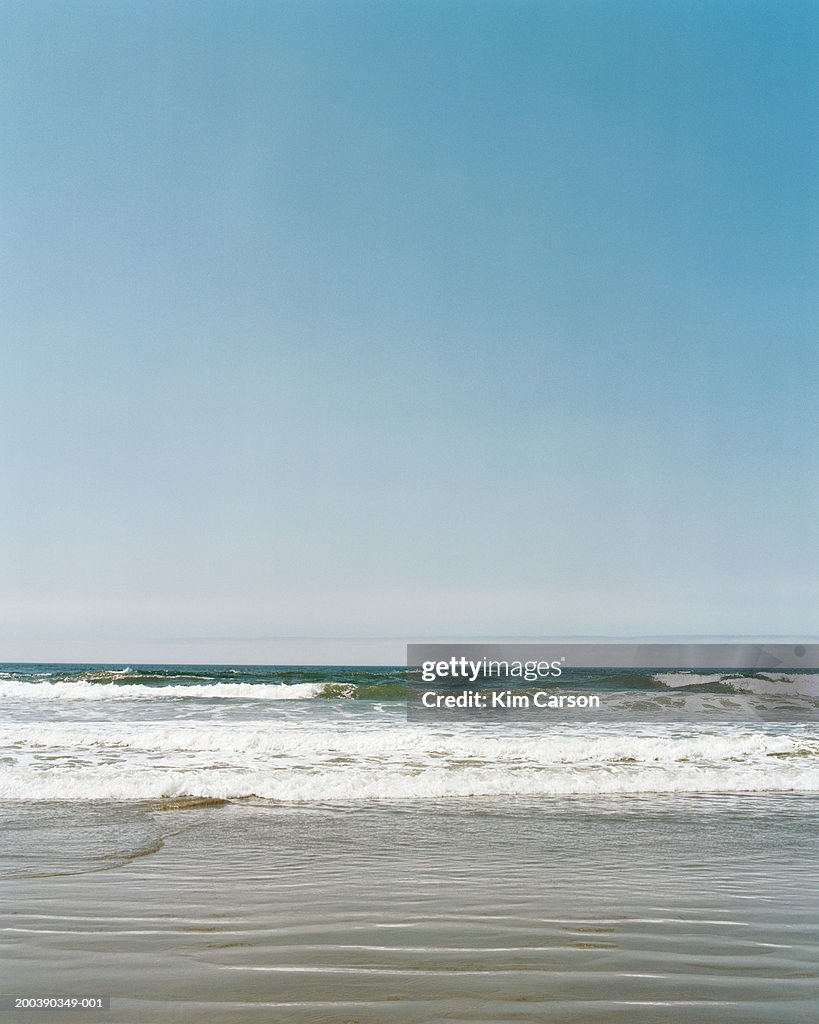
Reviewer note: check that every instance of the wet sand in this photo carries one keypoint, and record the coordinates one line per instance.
(673, 909)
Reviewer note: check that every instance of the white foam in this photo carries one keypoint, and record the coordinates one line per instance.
(86, 689)
(297, 762)
(678, 679)
(781, 684)
(432, 783)
(367, 741)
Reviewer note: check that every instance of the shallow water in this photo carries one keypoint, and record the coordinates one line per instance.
(257, 845)
(638, 909)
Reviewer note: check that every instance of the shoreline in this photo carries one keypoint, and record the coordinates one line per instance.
(562, 909)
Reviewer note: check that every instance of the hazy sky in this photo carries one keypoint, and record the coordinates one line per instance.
(405, 319)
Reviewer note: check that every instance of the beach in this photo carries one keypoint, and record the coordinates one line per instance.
(408, 560)
(444, 874)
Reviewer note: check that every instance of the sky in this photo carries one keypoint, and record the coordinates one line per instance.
(335, 324)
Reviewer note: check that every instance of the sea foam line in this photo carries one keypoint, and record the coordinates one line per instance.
(84, 689)
(370, 783)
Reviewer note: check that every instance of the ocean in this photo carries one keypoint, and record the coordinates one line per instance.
(254, 844)
(296, 734)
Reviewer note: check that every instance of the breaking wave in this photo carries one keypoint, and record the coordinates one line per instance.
(362, 684)
(147, 761)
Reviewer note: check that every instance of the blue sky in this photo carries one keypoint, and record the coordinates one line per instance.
(405, 319)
